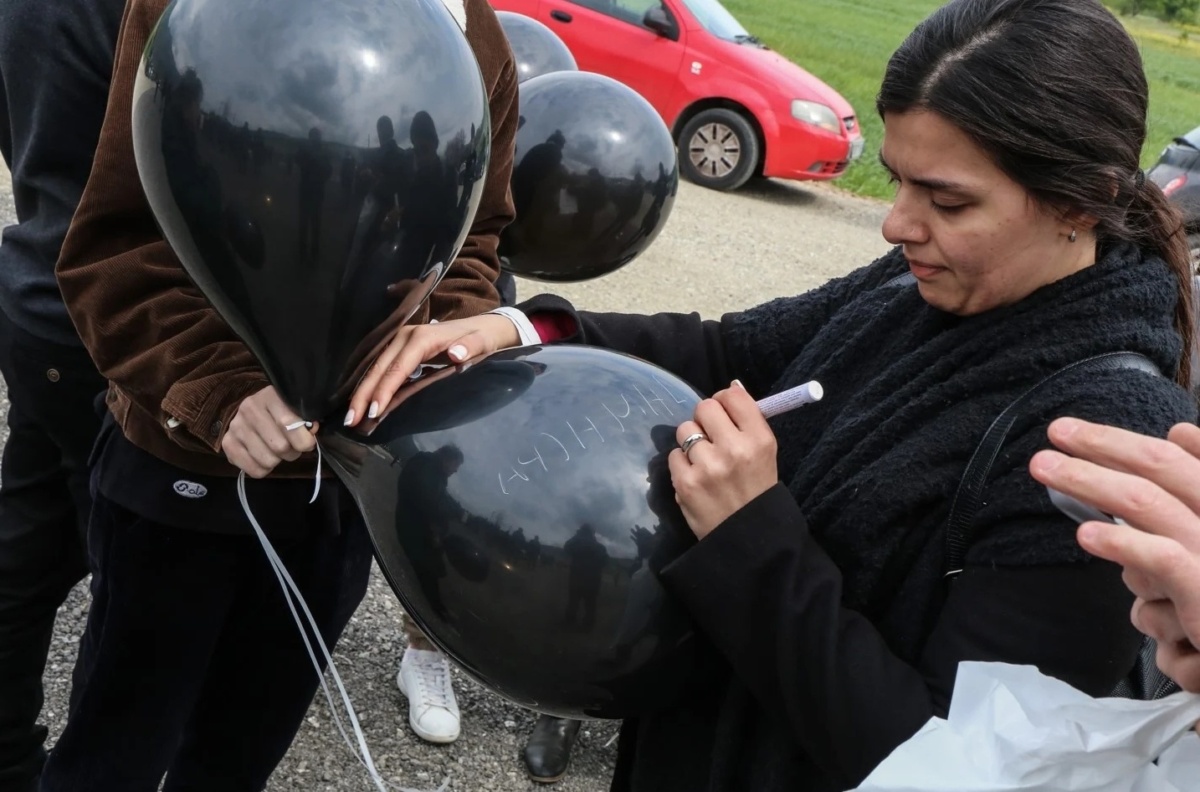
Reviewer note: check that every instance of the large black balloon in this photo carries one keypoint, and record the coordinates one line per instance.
(594, 179)
(521, 509)
(535, 47)
(315, 164)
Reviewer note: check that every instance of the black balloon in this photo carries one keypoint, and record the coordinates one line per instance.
(535, 47)
(315, 165)
(594, 179)
(521, 508)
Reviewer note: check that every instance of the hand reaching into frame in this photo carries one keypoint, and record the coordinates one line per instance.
(1153, 485)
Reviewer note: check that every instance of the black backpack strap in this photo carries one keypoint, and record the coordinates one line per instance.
(960, 524)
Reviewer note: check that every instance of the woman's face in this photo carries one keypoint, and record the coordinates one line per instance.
(973, 237)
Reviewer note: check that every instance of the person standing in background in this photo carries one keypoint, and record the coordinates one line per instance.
(55, 64)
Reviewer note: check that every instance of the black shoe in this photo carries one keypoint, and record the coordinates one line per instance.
(548, 751)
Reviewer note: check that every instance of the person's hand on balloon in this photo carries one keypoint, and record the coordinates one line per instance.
(1153, 485)
(445, 342)
(725, 460)
(258, 439)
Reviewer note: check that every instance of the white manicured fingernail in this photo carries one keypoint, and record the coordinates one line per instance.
(739, 384)
(458, 351)
(349, 418)
(373, 410)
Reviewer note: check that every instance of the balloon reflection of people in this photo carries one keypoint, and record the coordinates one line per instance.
(189, 639)
(591, 197)
(820, 574)
(587, 558)
(49, 125)
(536, 179)
(430, 193)
(385, 178)
(195, 185)
(346, 173)
(315, 168)
(424, 676)
(193, 182)
(1151, 484)
(386, 170)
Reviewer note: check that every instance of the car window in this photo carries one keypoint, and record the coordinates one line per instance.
(716, 19)
(631, 11)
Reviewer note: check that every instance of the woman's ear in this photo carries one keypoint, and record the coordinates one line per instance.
(1078, 221)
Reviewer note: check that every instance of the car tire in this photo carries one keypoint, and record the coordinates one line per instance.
(718, 149)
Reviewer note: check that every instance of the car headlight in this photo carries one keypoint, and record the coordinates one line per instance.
(816, 114)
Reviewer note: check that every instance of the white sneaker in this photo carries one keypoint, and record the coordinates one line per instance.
(424, 679)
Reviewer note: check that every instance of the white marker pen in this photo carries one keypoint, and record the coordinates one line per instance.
(791, 398)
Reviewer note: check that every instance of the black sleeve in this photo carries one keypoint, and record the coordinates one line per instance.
(56, 60)
(683, 344)
(753, 346)
(770, 599)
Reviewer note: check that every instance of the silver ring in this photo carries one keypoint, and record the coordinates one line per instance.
(690, 441)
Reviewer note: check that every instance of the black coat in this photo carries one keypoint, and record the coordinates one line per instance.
(825, 667)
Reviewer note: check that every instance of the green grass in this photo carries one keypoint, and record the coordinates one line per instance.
(847, 44)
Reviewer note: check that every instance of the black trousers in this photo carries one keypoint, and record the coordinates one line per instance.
(191, 665)
(44, 503)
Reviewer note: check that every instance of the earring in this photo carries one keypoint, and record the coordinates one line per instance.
(1073, 236)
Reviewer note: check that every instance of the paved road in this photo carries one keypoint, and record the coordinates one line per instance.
(717, 253)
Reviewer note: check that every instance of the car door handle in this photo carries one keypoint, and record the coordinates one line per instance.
(561, 16)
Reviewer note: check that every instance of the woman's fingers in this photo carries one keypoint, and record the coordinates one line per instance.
(454, 342)
(457, 348)
(395, 365)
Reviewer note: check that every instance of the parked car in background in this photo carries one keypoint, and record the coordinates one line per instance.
(735, 108)
(1177, 172)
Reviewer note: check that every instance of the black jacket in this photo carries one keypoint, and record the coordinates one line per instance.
(825, 596)
(56, 60)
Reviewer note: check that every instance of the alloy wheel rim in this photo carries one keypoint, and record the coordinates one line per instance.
(715, 150)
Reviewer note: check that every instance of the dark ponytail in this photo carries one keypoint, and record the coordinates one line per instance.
(1055, 92)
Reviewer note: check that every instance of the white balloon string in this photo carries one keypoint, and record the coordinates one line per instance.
(292, 595)
(290, 590)
(317, 484)
(308, 425)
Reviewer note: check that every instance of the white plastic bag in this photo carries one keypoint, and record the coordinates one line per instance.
(1012, 728)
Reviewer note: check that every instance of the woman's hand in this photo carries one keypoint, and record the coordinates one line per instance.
(731, 466)
(1154, 486)
(445, 342)
(257, 439)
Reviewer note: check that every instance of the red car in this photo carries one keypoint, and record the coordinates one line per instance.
(736, 108)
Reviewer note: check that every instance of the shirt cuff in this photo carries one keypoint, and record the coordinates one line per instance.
(529, 334)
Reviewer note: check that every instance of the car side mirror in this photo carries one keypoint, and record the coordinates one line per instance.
(661, 22)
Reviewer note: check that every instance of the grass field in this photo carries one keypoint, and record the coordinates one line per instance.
(847, 43)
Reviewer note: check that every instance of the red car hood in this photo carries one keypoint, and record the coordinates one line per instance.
(781, 74)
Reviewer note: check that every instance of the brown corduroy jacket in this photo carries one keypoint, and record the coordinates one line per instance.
(176, 371)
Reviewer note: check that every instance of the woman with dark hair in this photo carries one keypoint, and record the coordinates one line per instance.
(1027, 241)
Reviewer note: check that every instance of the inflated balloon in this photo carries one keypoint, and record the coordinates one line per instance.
(315, 164)
(535, 47)
(594, 179)
(521, 508)
(245, 237)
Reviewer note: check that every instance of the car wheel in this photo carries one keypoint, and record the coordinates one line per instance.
(718, 149)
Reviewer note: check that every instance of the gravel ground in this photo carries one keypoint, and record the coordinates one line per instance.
(718, 252)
